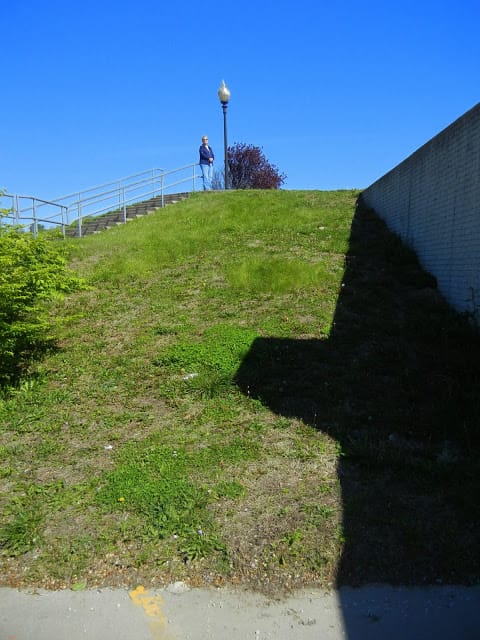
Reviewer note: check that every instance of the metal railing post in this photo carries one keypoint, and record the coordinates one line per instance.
(124, 206)
(79, 221)
(17, 210)
(35, 222)
(64, 219)
(161, 187)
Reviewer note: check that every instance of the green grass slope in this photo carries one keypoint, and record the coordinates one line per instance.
(258, 388)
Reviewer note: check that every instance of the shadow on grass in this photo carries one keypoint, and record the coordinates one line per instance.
(397, 383)
(16, 366)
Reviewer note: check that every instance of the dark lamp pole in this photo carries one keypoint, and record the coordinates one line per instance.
(224, 96)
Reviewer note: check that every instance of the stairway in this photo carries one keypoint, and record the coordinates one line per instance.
(114, 218)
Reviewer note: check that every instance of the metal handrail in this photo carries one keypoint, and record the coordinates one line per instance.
(86, 203)
(76, 194)
(16, 212)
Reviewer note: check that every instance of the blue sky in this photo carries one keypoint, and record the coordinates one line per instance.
(336, 93)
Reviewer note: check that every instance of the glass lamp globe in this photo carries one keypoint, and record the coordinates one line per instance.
(223, 93)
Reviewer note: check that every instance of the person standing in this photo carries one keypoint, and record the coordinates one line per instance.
(206, 163)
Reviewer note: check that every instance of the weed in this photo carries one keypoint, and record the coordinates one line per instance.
(156, 482)
(22, 531)
(231, 490)
(221, 350)
(317, 513)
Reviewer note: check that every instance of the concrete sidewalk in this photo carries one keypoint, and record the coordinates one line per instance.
(180, 613)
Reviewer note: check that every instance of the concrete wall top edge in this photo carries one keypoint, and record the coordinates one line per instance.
(472, 113)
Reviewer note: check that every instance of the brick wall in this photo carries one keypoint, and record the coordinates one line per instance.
(432, 200)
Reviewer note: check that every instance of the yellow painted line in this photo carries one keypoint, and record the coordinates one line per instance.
(152, 606)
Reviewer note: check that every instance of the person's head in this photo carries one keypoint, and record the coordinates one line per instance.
(205, 140)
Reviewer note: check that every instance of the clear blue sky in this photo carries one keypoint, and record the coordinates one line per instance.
(336, 93)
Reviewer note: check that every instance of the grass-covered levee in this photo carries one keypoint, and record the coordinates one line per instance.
(258, 388)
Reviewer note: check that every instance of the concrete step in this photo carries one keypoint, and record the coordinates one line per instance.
(133, 211)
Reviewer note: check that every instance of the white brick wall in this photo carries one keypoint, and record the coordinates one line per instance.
(432, 200)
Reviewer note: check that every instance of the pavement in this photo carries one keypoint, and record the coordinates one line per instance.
(180, 613)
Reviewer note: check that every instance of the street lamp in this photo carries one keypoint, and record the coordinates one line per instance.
(224, 96)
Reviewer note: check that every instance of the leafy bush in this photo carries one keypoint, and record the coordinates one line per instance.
(250, 169)
(32, 270)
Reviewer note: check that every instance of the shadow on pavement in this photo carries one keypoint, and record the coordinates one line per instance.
(397, 385)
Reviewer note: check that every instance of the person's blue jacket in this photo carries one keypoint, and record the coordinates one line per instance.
(205, 154)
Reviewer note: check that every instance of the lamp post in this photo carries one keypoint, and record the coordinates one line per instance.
(224, 96)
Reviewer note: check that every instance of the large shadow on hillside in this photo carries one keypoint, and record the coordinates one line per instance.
(397, 383)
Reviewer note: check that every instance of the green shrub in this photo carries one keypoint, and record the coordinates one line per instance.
(32, 270)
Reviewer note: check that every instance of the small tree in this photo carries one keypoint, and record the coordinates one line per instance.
(218, 180)
(249, 169)
(32, 271)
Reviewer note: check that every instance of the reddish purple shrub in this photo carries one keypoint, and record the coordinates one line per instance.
(249, 169)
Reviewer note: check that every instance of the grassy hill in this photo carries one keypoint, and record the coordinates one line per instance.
(260, 388)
